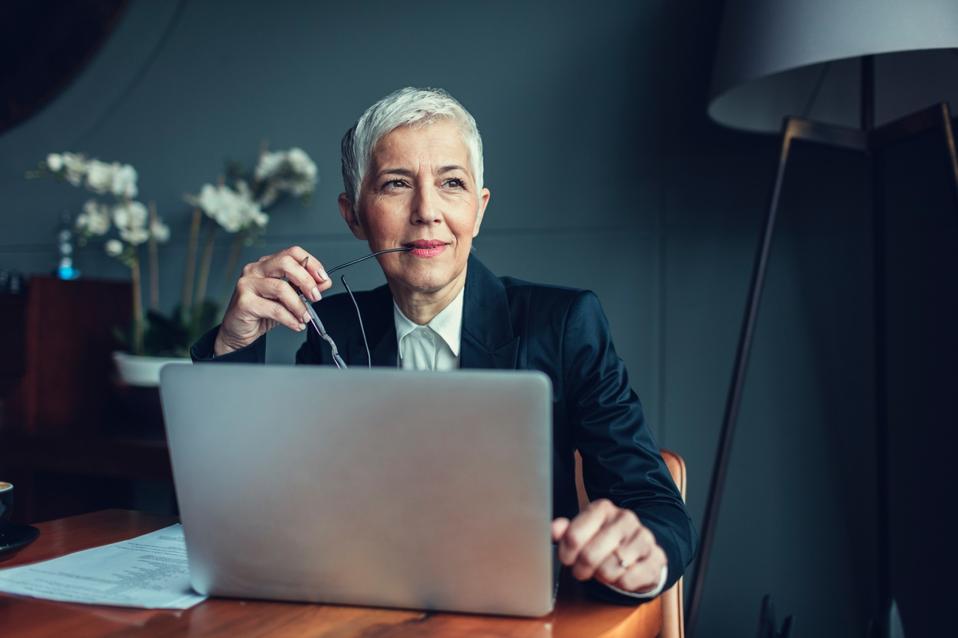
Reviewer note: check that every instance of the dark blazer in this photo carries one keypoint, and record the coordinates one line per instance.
(515, 325)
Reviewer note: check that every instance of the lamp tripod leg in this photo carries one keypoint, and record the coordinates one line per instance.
(950, 145)
(733, 400)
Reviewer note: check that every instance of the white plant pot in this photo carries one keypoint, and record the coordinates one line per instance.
(142, 371)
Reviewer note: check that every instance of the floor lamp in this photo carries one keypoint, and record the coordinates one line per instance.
(837, 73)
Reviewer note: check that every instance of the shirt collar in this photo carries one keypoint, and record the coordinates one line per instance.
(447, 324)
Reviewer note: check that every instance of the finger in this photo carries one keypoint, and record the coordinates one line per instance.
(275, 311)
(559, 526)
(285, 266)
(632, 549)
(298, 267)
(604, 543)
(280, 291)
(271, 266)
(644, 575)
(611, 569)
(582, 528)
(638, 546)
(312, 265)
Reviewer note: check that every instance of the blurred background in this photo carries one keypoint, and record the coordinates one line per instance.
(606, 173)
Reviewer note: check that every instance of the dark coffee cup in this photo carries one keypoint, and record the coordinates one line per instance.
(6, 499)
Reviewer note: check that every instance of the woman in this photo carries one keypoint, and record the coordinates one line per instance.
(412, 170)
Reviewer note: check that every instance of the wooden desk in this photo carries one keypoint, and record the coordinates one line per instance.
(574, 616)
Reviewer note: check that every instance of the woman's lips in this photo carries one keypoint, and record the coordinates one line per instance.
(426, 247)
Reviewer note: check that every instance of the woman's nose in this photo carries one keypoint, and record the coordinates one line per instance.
(425, 207)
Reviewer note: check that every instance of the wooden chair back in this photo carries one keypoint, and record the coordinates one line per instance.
(673, 620)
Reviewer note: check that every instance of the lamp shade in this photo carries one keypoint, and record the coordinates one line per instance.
(803, 58)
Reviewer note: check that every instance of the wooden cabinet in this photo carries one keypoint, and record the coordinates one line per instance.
(65, 436)
(65, 340)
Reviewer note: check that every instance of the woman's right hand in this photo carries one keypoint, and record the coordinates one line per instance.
(261, 299)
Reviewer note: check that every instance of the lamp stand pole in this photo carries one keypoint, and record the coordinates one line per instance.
(880, 381)
(869, 141)
(792, 129)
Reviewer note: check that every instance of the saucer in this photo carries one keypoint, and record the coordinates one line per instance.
(14, 536)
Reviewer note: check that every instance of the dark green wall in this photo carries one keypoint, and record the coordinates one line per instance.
(605, 174)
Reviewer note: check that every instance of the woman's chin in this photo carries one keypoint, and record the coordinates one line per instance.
(427, 282)
(426, 285)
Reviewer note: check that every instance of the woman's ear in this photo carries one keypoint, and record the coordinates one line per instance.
(348, 212)
(484, 196)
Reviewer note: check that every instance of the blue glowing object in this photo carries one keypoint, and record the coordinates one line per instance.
(67, 272)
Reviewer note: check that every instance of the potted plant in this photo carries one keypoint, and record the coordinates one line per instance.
(236, 205)
(125, 225)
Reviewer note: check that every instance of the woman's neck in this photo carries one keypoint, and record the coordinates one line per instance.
(421, 307)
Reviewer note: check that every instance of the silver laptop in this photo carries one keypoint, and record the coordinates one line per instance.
(373, 487)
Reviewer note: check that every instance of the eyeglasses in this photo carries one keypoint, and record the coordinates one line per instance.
(318, 324)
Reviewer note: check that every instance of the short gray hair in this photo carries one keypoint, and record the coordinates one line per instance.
(407, 106)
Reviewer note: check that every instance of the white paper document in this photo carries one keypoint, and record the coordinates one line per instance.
(148, 571)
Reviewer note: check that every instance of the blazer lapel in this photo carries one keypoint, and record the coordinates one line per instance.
(487, 337)
(474, 354)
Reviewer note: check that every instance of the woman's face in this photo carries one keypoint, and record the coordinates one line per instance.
(420, 191)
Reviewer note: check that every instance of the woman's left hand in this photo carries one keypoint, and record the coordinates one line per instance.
(610, 544)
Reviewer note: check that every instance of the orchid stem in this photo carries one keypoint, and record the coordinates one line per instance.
(154, 263)
(137, 304)
(190, 273)
(205, 264)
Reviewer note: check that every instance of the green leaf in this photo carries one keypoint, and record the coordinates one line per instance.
(203, 316)
(164, 336)
(172, 335)
(123, 337)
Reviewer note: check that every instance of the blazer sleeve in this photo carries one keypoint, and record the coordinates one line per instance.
(620, 459)
(202, 350)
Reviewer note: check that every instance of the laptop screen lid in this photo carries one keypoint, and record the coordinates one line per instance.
(425, 490)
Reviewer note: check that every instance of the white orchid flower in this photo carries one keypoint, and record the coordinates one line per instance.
(124, 181)
(208, 200)
(134, 236)
(301, 163)
(159, 231)
(76, 167)
(130, 216)
(114, 248)
(55, 162)
(99, 176)
(233, 210)
(289, 171)
(95, 218)
(259, 218)
(267, 165)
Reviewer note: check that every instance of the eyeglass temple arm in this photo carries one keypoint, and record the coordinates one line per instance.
(318, 324)
(404, 249)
